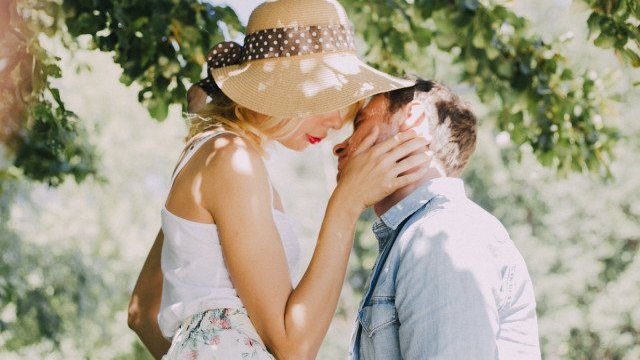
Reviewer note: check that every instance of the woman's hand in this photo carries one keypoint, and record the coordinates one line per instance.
(376, 171)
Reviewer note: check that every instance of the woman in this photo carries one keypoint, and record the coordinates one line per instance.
(226, 246)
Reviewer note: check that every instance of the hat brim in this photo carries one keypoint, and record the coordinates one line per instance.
(303, 85)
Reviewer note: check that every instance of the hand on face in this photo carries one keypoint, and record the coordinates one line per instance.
(372, 170)
(376, 171)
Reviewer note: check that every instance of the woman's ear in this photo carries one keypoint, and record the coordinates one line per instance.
(413, 115)
(196, 98)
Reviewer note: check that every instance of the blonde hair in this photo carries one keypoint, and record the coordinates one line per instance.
(259, 129)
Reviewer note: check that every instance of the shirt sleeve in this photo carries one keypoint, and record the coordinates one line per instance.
(444, 298)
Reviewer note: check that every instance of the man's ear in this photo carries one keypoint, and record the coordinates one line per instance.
(413, 115)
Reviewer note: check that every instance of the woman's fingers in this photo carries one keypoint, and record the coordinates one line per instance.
(411, 162)
(368, 141)
(404, 180)
(403, 150)
(375, 171)
(394, 141)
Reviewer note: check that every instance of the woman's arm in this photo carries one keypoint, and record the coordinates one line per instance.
(293, 322)
(145, 302)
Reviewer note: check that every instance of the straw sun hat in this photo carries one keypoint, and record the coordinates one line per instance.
(298, 59)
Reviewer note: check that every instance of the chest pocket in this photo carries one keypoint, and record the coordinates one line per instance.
(379, 316)
(379, 333)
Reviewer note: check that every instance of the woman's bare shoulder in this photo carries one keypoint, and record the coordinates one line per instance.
(230, 152)
(232, 167)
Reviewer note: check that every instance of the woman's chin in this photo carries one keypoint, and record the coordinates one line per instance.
(295, 146)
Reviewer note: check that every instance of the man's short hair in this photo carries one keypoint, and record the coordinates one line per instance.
(452, 124)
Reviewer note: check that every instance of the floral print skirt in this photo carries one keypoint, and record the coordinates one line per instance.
(222, 334)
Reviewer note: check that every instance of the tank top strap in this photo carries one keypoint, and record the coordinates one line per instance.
(195, 143)
(271, 193)
(193, 146)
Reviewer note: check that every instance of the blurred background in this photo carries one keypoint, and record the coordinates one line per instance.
(92, 98)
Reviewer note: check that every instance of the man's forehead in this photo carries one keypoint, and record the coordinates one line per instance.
(373, 110)
(374, 103)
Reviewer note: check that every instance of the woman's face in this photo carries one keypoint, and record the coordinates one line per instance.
(313, 130)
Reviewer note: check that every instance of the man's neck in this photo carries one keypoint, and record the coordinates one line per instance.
(388, 202)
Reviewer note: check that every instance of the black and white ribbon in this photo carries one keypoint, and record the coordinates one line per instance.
(276, 43)
(283, 42)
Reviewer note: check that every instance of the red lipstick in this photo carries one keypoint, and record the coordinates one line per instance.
(313, 139)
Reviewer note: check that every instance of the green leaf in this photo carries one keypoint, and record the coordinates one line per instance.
(505, 70)
(422, 36)
(479, 40)
(158, 109)
(53, 71)
(593, 24)
(56, 96)
(492, 53)
(446, 41)
(631, 57)
(54, 147)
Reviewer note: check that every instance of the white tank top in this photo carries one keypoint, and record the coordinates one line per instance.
(195, 276)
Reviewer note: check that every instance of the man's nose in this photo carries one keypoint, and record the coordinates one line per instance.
(339, 149)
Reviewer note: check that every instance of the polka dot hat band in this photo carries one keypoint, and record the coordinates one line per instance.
(277, 42)
(298, 59)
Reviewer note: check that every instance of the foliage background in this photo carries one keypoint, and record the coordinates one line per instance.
(70, 254)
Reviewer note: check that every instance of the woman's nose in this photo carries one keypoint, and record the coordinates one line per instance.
(334, 121)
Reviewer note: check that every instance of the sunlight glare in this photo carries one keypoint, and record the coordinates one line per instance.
(241, 162)
(195, 188)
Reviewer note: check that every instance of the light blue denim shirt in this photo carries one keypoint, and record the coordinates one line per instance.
(448, 284)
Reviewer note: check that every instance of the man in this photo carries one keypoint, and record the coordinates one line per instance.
(448, 282)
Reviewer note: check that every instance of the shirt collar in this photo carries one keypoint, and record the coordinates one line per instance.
(446, 186)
